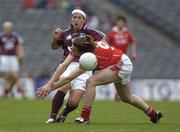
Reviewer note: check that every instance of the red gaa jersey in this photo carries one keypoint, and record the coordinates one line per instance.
(120, 38)
(107, 55)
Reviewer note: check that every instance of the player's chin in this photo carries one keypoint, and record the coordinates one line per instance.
(76, 27)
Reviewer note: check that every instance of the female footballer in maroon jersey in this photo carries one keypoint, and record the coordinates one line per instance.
(11, 54)
(77, 86)
(112, 64)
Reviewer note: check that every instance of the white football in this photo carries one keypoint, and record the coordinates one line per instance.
(88, 61)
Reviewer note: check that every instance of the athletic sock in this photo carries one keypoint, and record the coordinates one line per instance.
(151, 112)
(68, 109)
(85, 113)
(57, 102)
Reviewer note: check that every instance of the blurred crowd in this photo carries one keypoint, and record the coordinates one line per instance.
(104, 21)
(54, 4)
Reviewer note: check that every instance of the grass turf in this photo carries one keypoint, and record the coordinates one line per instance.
(107, 116)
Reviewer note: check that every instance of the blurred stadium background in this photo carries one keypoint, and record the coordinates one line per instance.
(156, 28)
(154, 23)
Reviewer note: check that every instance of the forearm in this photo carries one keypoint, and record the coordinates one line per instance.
(20, 55)
(133, 48)
(64, 80)
(20, 52)
(59, 71)
(54, 44)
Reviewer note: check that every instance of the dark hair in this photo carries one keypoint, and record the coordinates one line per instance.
(84, 44)
(121, 18)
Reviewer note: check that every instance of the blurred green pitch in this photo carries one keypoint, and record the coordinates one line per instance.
(107, 116)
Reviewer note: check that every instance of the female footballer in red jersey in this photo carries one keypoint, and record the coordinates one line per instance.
(115, 66)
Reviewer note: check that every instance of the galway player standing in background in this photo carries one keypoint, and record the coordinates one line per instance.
(11, 53)
(77, 86)
(120, 37)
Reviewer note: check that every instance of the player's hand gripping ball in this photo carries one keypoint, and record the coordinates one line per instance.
(88, 61)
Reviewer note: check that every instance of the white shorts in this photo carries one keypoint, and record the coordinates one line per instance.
(80, 81)
(126, 69)
(123, 69)
(9, 63)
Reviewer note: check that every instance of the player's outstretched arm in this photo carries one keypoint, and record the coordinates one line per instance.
(64, 80)
(61, 68)
(47, 88)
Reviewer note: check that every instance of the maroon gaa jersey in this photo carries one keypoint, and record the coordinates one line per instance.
(65, 39)
(8, 43)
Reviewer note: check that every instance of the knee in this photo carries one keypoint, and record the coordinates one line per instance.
(73, 104)
(90, 81)
(128, 100)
